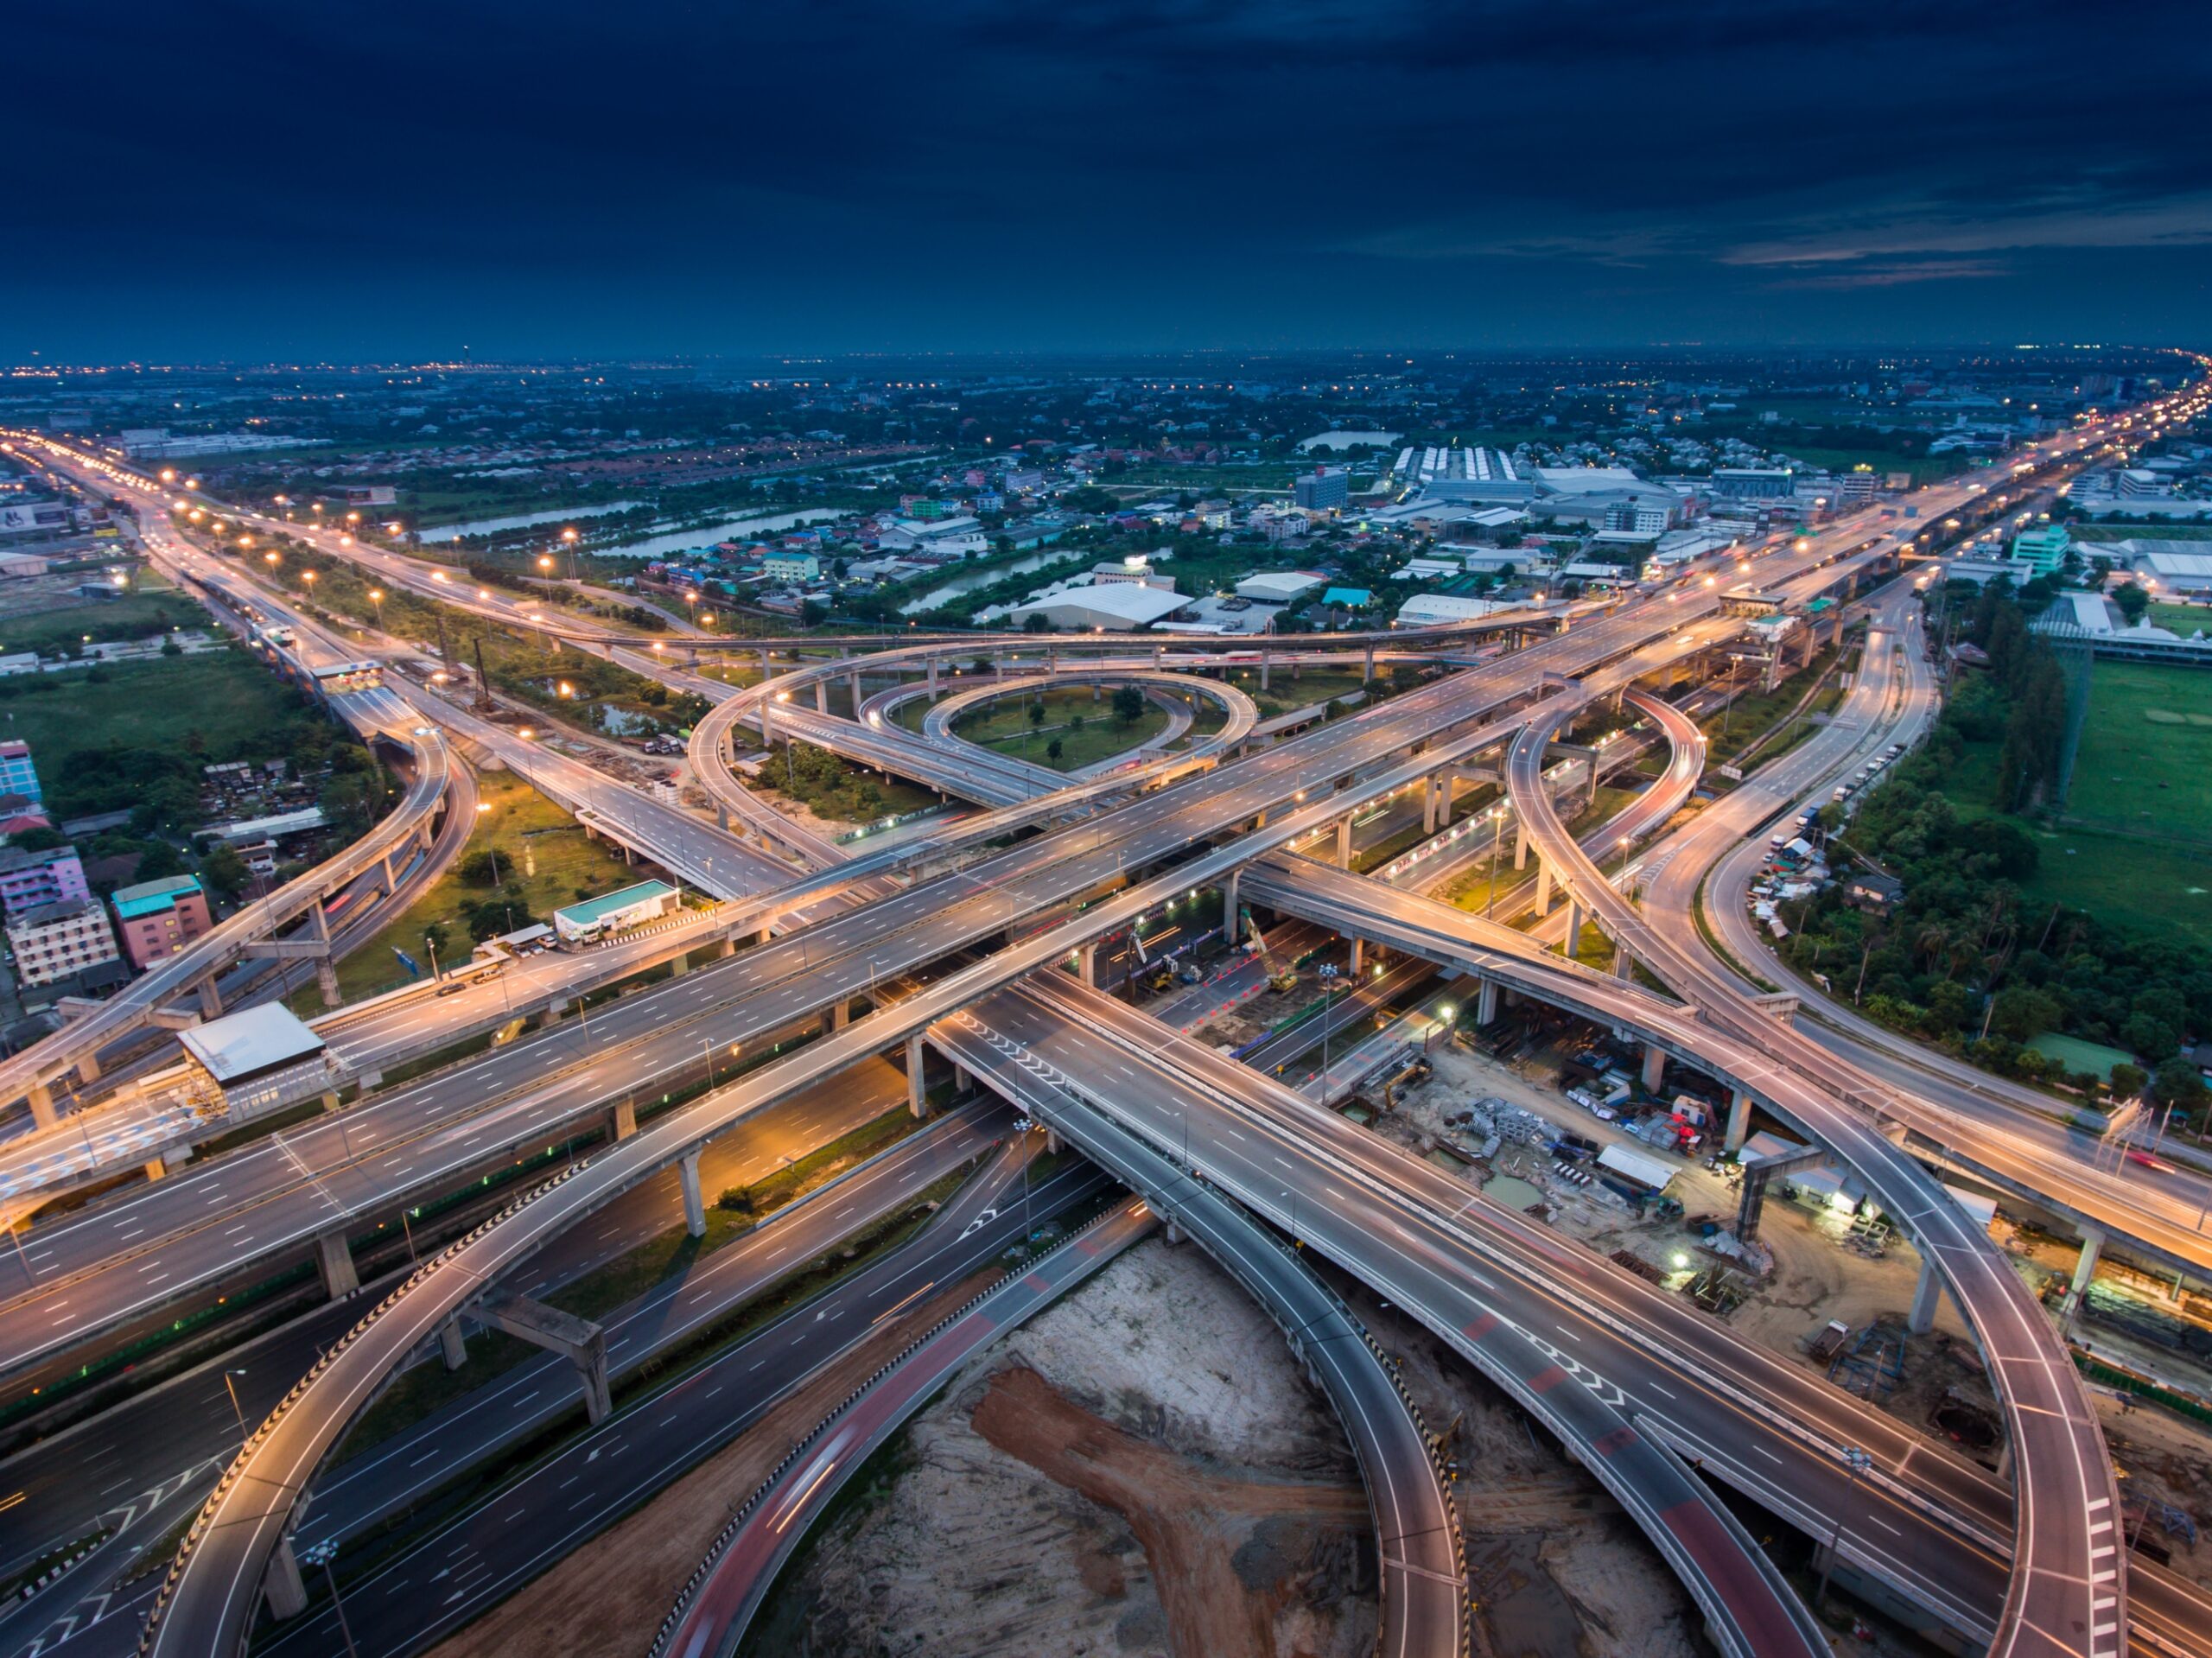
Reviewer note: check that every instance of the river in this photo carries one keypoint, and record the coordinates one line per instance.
(974, 579)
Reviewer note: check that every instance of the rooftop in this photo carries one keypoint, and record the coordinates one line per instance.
(247, 1043)
(152, 896)
(594, 909)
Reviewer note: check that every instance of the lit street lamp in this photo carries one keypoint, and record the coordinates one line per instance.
(321, 1554)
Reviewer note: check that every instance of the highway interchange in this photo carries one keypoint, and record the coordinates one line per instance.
(871, 936)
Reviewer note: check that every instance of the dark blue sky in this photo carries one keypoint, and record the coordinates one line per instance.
(250, 180)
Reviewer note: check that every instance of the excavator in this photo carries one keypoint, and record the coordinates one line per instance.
(1280, 977)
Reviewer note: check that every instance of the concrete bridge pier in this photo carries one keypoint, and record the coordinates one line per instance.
(211, 998)
(1344, 842)
(581, 1341)
(916, 1099)
(283, 1588)
(1519, 846)
(453, 1345)
(335, 1262)
(1486, 1003)
(1367, 674)
(1543, 888)
(43, 1115)
(695, 1200)
(1740, 1121)
(622, 1119)
(1655, 1067)
(1624, 962)
(2085, 1269)
(1263, 668)
(1231, 927)
(1086, 963)
(822, 696)
(841, 1014)
(1925, 1294)
(1358, 956)
(1573, 928)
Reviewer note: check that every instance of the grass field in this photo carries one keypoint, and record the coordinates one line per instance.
(525, 828)
(2184, 620)
(1004, 726)
(2145, 765)
(2144, 887)
(236, 705)
(135, 616)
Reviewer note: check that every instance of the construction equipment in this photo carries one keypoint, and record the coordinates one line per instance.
(1279, 976)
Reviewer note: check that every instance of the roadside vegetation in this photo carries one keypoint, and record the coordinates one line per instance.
(2003, 935)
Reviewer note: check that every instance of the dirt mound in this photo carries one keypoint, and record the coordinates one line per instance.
(1227, 1552)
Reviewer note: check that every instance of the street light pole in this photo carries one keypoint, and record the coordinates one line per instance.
(236, 1410)
(1858, 1461)
(323, 1554)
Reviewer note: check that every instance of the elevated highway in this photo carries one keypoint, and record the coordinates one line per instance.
(2068, 1591)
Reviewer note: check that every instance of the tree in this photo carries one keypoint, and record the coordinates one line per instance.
(37, 839)
(2178, 1083)
(485, 868)
(1129, 704)
(1036, 715)
(1054, 749)
(224, 871)
(2133, 601)
(1037, 622)
(434, 939)
(2127, 1081)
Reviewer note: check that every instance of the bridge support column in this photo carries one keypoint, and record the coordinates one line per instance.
(1447, 781)
(962, 1082)
(43, 1115)
(1519, 846)
(1740, 1121)
(391, 883)
(1344, 842)
(822, 696)
(695, 1200)
(336, 1261)
(2085, 1269)
(767, 670)
(622, 1119)
(1573, 929)
(1263, 668)
(917, 1102)
(722, 818)
(841, 1014)
(581, 1341)
(88, 1069)
(285, 1589)
(1486, 1004)
(1925, 1295)
(1624, 963)
(1086, 963)
(1052, 1142)
(1358, 956)
(1543, 888)
(1367, 674)
(1232, 926)
(211, 998)
(1428, 805)
(453, 1346)
(1655, 1067)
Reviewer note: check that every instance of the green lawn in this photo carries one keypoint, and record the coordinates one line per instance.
(2184, 620)
(233, 703)
(1004, 725)
(135, 616)
(531, 832)
(2144, 886)
(2145, 760)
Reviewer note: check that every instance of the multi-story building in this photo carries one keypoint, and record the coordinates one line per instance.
(30, 878)
(1325, 489)
(791, 567)
(2043, 549)
(1753, 483)
(18, 775)
(160, 918)
(54, 942)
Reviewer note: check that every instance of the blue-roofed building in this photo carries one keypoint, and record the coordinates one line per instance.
(18, 775)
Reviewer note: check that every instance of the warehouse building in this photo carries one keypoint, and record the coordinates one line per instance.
(1115, 607)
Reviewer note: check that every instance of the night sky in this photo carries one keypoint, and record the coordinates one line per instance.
(264, 179)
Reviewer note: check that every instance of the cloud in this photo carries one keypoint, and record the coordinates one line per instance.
(1923, 230)
(1895, 274)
